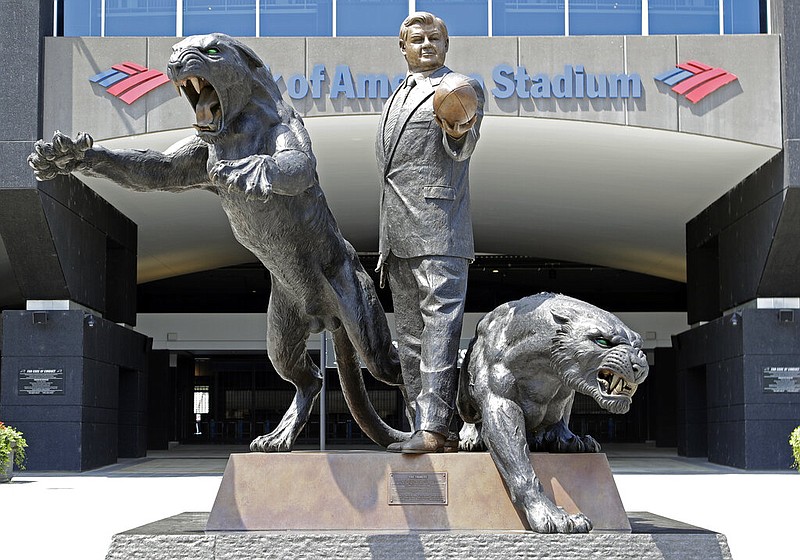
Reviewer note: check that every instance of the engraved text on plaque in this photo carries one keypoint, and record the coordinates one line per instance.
(418, 488)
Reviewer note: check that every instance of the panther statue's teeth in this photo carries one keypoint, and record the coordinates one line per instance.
(614, 385)
(208, 110)
(197, 83)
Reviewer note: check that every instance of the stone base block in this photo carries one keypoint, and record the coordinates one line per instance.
(357, 491)
(183, 537)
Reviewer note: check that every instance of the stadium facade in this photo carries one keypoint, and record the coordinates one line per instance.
(642, 155)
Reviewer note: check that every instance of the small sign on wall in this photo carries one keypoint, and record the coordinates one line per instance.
(42, 381)
(781, 380)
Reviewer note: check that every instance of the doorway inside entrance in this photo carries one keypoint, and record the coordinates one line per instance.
(237, 397)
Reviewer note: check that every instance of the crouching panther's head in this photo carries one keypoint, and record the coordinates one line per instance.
(220, 78)
(595, 354)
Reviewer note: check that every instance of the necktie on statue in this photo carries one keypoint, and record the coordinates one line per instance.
(397, 106)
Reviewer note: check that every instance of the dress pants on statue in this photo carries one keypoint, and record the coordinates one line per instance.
(428, 295)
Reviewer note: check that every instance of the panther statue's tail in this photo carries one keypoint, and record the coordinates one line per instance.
(355, 394)
(467, 407)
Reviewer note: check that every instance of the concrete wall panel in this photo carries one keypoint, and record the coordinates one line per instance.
(365, 56)
(480, 55)
(748, 109)
(285, 57)
(597, 55)
(649, 57)
(23, 23)
(73, 104)
(165, 109)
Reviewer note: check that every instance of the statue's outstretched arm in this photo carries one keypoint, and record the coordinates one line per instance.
(141, 170)
(290, 170)
(462, 147)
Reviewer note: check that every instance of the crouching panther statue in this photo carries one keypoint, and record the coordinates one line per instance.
(519, 379)
(252, 150)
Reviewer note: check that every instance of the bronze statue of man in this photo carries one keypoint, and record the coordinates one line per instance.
(426, 241)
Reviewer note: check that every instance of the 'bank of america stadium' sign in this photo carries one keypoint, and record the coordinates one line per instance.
(693, 80)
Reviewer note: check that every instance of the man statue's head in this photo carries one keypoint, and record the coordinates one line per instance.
(424, 42)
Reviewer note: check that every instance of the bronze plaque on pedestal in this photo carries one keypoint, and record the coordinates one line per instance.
(418, 488)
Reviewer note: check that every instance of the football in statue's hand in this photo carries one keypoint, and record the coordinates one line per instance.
(455, 100)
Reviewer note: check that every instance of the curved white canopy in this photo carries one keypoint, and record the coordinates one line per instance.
(608, 195)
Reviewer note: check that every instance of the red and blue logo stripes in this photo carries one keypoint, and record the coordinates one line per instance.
(695, 80)
(129, 81)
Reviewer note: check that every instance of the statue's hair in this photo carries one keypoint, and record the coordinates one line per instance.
(422, 18)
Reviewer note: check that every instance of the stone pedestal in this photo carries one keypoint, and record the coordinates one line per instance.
(358, 491)
(366, 505)
(182, 538)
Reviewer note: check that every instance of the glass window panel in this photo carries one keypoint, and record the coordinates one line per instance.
(296, 18)
(234, 17)
(741, 16)
(462, 17)
(201, 400)
(81, 18)
(528, 17)
(359, 18)
(605, 17)
(141, 18)
(684, 17)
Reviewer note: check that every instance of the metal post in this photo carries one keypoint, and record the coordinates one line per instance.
(323, 361)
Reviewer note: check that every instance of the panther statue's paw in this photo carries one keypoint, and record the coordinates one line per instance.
(270, 443)
(469, 438)
(559, 439)
(60, 157)
(544, 517)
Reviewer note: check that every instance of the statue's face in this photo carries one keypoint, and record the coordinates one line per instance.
(424, 48)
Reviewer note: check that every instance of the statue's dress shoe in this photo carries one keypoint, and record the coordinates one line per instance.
(425, 442)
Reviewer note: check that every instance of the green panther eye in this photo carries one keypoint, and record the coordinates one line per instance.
(602, 342)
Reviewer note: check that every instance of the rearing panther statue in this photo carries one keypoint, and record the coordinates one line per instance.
(252, 150)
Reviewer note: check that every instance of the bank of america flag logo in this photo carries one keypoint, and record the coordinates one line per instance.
(695, 80)
(129, 81)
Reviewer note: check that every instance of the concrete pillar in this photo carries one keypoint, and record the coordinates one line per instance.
(743, 278)
(76, 385)
(86, 406)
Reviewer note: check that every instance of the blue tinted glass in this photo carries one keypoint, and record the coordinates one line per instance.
(81, 18)
(605, 17)
(142, 18)
(528, 17)
(462, 17)
(741, 16)
(234, 17)
(296, 18)
(684, 17)
(358, 18)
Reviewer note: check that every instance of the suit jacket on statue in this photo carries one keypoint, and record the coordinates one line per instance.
(425, 192)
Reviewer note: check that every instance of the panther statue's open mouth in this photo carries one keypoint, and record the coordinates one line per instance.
(205, 102)
(614, 385)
